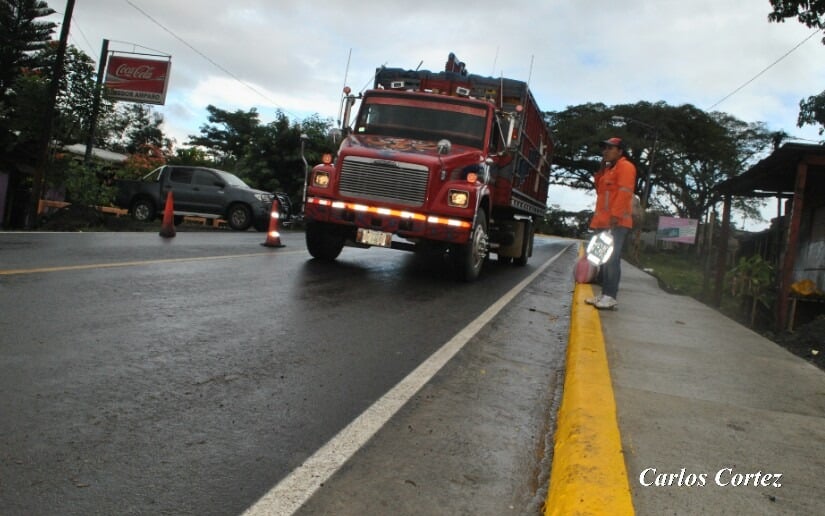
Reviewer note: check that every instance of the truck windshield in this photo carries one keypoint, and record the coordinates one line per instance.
(429, 120)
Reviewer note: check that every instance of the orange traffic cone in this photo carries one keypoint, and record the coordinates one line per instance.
(273, 237)
(167, 228)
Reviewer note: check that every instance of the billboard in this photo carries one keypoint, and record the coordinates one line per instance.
(137, 79)
(673, 229)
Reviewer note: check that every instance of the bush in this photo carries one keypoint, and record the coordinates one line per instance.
(87, 186)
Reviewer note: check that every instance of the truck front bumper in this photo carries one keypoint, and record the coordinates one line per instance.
(410, 224)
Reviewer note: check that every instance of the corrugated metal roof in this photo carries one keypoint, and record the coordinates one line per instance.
(102, 154)
(777, 172)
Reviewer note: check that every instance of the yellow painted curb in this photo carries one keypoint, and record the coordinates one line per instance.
(588, 475)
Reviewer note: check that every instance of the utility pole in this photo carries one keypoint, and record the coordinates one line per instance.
(101, 68)
(46, 134)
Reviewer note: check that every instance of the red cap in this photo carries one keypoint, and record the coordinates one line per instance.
(615, 142)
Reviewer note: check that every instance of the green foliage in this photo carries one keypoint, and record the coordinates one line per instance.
(685, 151)
(565, 223)
(21, 35)
(812, 15)
(812, 112)
(132, 126)
(75, 96)
(195, 156)
(84, 185)
(266, 156)
(752, 276)
(679, 271)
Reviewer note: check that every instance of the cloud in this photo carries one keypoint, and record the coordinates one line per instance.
(293, 55)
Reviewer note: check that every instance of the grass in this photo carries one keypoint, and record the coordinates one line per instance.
(679, 273)
(682, 272)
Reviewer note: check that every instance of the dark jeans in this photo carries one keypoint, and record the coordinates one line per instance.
(612, 270)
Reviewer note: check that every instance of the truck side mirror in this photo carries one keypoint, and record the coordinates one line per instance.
(335, 135)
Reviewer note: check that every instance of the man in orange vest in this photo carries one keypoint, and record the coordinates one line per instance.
(615, 184)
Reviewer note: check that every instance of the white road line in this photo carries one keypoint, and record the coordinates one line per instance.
(295, 489)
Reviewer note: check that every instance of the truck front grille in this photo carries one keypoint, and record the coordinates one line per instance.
(384, 180)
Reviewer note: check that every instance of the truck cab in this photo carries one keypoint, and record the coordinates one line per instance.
(432, 161)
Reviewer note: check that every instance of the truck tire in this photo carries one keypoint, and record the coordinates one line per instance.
(527, 245)
(470, 257)
(239, 217)
(323, 241)
(143, 210)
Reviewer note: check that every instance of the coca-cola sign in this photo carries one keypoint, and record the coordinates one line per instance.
(137, 79)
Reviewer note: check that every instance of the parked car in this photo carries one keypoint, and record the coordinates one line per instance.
(197, 191)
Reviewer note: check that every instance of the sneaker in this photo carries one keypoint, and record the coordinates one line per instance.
(606, 303)
(593, 300)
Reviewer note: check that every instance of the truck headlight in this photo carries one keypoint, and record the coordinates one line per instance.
(458, 198)
(320, 179)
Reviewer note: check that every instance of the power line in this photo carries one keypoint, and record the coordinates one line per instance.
(88, 44)
(789, 52)
(209, 59)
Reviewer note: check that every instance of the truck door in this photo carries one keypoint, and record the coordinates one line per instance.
(208, 192)
(180, 182)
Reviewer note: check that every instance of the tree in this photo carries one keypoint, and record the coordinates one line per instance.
(812, 14)
(228, 136)
(565, 223)
(21, 36)
(133, 126)
(809, 12)
(75, 97)
(267, 156)
(694, 150)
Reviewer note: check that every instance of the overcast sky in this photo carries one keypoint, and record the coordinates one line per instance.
(292, 55)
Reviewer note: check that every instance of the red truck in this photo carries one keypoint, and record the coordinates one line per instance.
(435, 161)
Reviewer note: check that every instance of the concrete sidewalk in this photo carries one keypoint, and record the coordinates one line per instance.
(710, 409)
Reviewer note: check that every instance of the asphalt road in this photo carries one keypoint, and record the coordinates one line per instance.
(189, 376)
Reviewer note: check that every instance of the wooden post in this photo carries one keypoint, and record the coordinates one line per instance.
(792, 245)
(722, 256)
(708, 254)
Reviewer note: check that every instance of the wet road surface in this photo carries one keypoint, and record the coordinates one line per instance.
(189, 376)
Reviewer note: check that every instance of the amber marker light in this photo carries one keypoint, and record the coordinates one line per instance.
(326, 159)
(472, 177)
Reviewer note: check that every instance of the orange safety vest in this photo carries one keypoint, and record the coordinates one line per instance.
(614, 194)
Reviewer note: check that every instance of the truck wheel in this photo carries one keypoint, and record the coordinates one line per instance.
(239, 217)
(323, 242)
(143, 210)
(469, 258)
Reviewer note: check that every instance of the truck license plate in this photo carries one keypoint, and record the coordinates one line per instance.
(372, 237)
